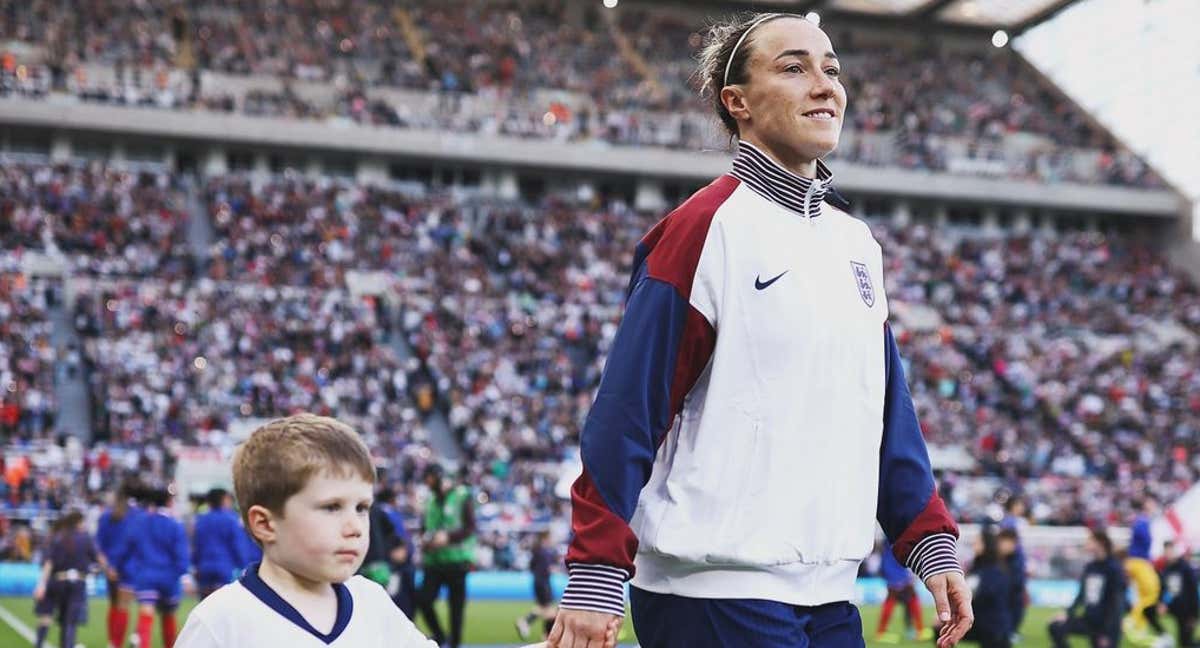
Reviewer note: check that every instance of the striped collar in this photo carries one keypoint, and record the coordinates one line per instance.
(779, 185)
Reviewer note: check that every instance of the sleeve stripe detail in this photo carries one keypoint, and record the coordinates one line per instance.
(929, 547)
(936, 554)
(571, 604)
(598, 588)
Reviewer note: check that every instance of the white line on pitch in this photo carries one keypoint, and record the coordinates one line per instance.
(16, 624)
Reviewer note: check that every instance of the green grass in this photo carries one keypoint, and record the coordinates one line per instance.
(488, 622)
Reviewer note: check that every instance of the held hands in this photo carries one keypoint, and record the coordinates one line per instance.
(952, 600)
(584, 629)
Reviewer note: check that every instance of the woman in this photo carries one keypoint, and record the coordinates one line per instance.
(755, 352)
(61, 592)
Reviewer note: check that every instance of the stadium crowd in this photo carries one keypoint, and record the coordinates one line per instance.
(1063, 360)
(106, 221)
(28, 360)
(508, 309)
(541, 70)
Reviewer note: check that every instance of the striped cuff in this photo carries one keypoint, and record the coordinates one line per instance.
(936, 554)
(598, 588)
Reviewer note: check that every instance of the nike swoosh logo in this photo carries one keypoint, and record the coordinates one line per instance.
(762, 285)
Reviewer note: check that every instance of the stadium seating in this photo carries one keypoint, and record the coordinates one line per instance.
(1061, 359)
(28, 357)
(537, 69)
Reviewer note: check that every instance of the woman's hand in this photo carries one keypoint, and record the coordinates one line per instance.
(584, 629)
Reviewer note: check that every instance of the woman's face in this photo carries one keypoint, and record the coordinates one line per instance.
(794, 100)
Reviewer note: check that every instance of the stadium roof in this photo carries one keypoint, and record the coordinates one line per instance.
(1015, 16)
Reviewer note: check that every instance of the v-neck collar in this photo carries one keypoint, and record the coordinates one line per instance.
(345, 605)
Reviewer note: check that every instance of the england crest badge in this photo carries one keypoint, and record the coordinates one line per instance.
(862, 279)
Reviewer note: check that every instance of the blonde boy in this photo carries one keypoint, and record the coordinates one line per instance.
(305, 485)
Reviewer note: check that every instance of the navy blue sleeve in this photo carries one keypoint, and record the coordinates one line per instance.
(619, 441)
(913, 516)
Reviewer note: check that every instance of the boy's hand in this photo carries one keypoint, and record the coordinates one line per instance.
(584, 628)
(39, 592)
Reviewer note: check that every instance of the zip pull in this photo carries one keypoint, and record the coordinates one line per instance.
(808, 194)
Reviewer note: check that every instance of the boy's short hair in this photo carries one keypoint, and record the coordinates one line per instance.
(280, 457)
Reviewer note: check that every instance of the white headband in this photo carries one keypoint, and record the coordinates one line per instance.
(733, 54)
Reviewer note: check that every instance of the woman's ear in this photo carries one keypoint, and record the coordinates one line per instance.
(734, 100)
(260, 522)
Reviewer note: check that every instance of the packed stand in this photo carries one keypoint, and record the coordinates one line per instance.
(485, 66)
(1066, 362)
(505, 324)
(106, 221)
(521, 304)
(182, 362)
(28, 361)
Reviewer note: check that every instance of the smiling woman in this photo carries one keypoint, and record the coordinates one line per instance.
(777, 87)
(767, 390)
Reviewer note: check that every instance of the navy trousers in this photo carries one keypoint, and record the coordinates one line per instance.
(669, 621)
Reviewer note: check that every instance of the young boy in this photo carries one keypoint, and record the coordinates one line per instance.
(156, 553)
(305, 485)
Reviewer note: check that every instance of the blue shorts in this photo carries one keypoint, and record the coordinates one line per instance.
(669, 621)
(161, 590)
(124, 578)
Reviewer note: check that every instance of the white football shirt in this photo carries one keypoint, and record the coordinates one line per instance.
(249, 613)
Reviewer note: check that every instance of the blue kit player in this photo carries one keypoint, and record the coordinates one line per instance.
(218, 548)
